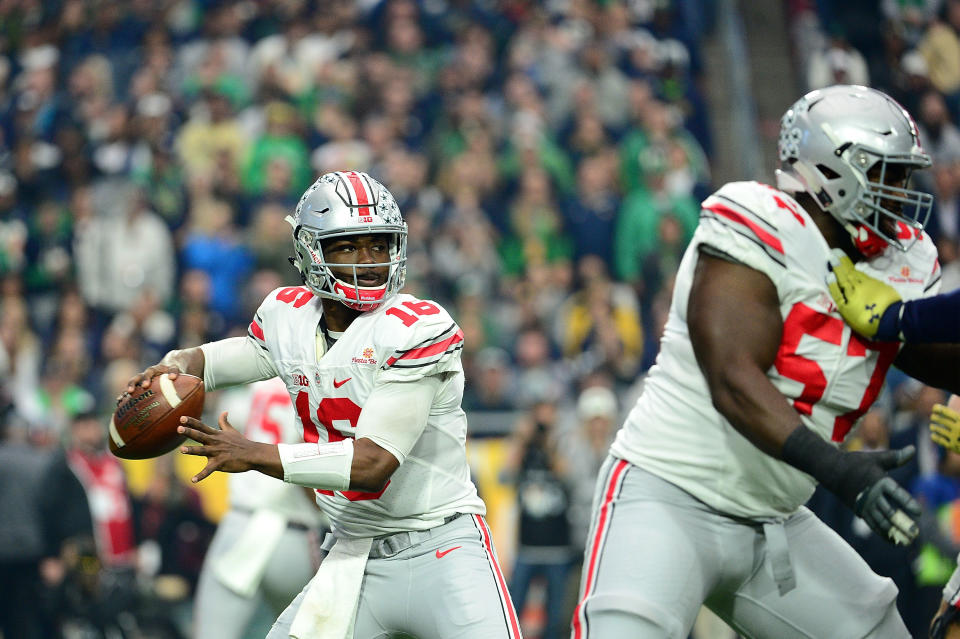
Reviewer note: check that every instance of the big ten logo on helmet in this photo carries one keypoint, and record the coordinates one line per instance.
(366, 357)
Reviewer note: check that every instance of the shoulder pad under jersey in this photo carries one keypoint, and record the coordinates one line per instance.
(417, 338)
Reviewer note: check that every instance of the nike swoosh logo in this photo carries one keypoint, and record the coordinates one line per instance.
(337, 384)
(441, 555)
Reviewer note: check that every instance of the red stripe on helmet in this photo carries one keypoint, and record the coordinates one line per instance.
(360, 189)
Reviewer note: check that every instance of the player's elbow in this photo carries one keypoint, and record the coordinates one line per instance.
(729, 391)
(369, 482)
(372, 466)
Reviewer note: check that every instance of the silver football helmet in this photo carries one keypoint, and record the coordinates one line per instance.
(347, 203)
(831, 138)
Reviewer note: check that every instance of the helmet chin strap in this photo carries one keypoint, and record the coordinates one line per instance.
(866, 241)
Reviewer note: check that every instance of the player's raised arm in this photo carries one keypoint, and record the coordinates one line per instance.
(188, 360)
(736, 329)
(226, 362)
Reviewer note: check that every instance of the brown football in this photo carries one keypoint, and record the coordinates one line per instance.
(144, 424)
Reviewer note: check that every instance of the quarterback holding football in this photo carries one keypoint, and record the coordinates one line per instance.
(376, 380)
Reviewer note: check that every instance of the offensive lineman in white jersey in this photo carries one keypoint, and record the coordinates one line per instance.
(757, 380)
(376, 381)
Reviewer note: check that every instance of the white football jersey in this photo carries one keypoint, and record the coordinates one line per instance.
(262, 412)
(404, 340)
(829, 374)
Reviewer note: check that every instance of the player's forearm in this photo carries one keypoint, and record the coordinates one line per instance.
(324, 465)
(265, 458)
(235, 360)
(936, 365)
(188, 360)
(752, 404)
(928, 320)
(357, 465)
(371, 467)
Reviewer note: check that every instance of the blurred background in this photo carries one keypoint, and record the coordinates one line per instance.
(549, 159)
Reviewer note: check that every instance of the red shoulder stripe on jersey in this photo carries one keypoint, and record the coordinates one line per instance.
(431, 349)
(761, 234)
(256, 331)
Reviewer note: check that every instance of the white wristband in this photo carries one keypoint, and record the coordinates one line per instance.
(321, 465)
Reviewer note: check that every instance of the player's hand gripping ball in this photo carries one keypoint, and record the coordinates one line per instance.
(945, 427)
(145, 422)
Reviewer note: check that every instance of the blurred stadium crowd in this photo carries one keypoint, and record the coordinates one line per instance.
(549, 159)
(151, 151)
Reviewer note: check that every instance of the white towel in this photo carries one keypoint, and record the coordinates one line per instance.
(241, 567)
(329, 606)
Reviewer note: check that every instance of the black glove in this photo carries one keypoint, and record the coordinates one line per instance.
(888, 508)
(860, 480)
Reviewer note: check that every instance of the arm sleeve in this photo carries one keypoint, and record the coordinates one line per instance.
(396, 413)
(931, 319)
(235, 360)
(951, 592)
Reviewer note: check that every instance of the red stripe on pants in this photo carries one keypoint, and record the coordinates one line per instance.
(603, 522)
(512, 620)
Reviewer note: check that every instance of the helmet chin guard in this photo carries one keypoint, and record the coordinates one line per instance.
(360, 298)
(342, 204)
(852, 149)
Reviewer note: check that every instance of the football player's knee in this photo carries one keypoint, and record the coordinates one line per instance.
(629, 615)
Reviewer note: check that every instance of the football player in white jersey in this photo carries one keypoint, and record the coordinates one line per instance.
(266, 548)
(757, 381)
(376, 380)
